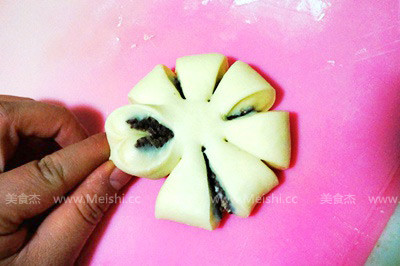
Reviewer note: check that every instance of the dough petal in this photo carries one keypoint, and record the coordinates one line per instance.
(185, 195)
(240, 89)
(244, 177)
(265, 135)
(146, 162)
(156, 88)
(199, 74)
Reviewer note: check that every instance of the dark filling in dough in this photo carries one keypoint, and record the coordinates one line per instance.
(216, 84)
(158, 134)
(178, 87)
(219, 200)
(242, 113)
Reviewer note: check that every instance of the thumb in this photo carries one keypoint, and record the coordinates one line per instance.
(62, 235)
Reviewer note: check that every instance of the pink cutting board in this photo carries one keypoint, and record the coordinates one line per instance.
(335, 66)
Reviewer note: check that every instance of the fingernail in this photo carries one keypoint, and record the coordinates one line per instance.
(119, 179)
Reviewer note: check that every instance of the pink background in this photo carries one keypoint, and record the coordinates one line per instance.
(335, 65)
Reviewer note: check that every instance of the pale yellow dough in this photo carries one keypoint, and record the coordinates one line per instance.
(238, 150)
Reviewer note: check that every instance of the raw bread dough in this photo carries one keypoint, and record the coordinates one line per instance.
(223, 138)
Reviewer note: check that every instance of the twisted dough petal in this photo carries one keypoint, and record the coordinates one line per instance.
(266, 135)
(244, 177)
(240, 89)
(148, 162)
(156, 88)
(185, 195)
(198, 74)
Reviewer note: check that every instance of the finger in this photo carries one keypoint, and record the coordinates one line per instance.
(12, 243)
(10, 98)
(31, 118)
(54, 175)
(64, 232)
(8, 142)
(30, 149)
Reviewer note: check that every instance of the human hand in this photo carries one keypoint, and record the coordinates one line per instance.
(80, 167)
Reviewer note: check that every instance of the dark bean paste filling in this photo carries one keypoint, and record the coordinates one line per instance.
(242, 113)
(216, 84)
(219, 200)
(178, 87)
(158, 134)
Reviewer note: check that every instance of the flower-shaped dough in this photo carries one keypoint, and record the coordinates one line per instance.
(208, 128)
